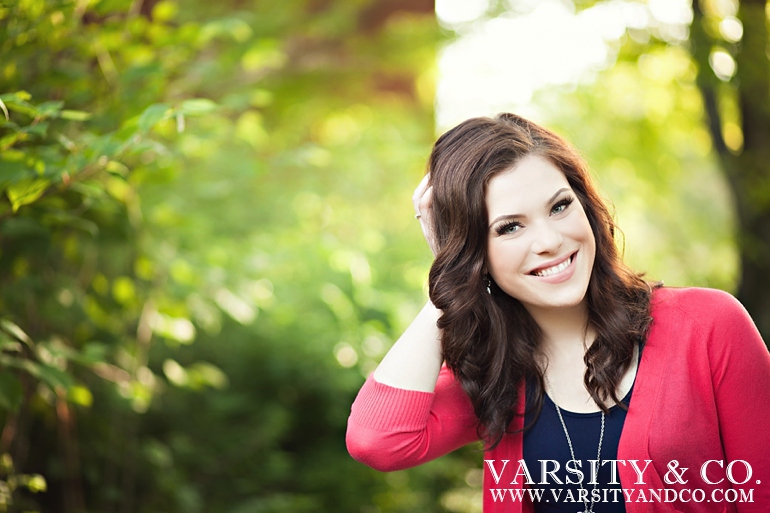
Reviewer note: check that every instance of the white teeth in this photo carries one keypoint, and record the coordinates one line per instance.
(555, 269)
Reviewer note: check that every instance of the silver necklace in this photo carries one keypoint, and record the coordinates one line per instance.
(589, 506)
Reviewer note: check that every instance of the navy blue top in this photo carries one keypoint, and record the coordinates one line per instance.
(545, 440)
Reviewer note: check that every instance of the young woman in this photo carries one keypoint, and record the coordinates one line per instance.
(592, 389)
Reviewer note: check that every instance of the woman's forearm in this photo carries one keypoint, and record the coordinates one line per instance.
(414, 361)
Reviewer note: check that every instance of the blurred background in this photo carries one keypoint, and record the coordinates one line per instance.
(206, 234)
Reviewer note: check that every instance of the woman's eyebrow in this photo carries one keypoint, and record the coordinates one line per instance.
(513, 216)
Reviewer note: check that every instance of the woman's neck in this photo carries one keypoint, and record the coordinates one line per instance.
(563, 329)
(566, 336)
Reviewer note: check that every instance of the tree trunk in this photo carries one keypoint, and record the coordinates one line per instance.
(747, 169)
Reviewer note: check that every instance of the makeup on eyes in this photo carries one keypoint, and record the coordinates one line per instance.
(512, 220)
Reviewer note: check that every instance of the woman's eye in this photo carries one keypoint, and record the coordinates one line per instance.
(509, 228)
(561, 206)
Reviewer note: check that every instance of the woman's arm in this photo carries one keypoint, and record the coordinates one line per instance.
(393, 428)
(414, 360)
(411, 410)
(741, 379)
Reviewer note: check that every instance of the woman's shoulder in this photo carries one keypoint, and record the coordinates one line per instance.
(695, 302)
(711, 313)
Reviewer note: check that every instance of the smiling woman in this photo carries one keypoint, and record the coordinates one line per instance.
(541, 342)
(543, 254)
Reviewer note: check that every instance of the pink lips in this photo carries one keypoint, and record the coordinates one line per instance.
(560, 277)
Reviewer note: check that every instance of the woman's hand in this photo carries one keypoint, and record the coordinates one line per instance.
(414, 361)
(423, 211)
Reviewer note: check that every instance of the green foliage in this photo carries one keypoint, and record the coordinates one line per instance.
(205, 245)
(10, 481)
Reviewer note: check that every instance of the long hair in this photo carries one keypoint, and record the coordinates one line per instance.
(489, 340)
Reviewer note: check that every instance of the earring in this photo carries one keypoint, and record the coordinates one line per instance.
(489, 284)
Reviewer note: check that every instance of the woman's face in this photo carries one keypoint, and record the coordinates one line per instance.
(540, 247)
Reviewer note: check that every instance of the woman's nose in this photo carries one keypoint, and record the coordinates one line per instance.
(546, 238)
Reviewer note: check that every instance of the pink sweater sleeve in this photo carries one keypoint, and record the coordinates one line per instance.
(741, 378)
(393, 429)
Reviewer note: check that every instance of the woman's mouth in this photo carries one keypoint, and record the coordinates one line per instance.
(556, 269)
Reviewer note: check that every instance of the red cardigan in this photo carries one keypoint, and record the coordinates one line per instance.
(701, 393)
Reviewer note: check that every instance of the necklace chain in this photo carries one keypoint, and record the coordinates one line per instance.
(589, 507)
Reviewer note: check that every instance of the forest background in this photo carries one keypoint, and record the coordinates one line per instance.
(207, 242)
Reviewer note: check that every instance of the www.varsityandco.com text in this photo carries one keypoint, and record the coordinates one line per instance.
(715, 481)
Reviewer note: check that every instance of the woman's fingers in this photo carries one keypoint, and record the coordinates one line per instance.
(422, 201)
(425, 203)
(419, 192)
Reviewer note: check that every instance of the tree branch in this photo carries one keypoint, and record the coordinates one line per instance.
(700, 49)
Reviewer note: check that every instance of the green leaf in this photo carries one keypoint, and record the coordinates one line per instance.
(197, 106)
(116, 168)
(75, 115)
(153, 115)
(26, 192)
(21, 106)
(9, 125)
(16, 101)
(37, 129)
(8, 344)
(66, 219)
(93, 352)
(35, 483)
(13, 329)
(104, 145)
(18, 96)
(49, 109)
(79, 394)
(10, 392)
(52, 376)
(89, 189)
(10, 139)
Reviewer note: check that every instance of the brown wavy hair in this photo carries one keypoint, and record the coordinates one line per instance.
(489, 340)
